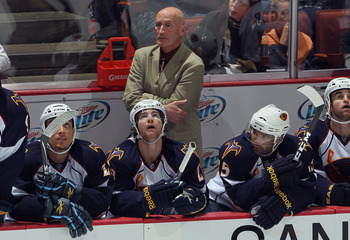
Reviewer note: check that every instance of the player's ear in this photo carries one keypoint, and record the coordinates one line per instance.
(183, 30)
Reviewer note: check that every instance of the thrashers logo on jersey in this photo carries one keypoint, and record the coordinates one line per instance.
(17, 99)
(302, 130)
(94, 146)
(232, 146)
(116, 152)
(185, 149)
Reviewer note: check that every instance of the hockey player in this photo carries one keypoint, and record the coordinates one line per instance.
(330, 141)
(14, 126)
(145, 165)
(79, 185)
(257, 173)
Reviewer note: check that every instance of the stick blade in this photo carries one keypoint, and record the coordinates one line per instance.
(312, 95)
(59, 121)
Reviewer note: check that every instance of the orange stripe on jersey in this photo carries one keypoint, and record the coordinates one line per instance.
(330, 156)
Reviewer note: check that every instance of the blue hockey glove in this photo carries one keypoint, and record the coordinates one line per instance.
(72, 215)
(338, 194)
(283, 172)
(190, 202)
(270, 209)
(55, 184)
(160, 195)
(5, 207)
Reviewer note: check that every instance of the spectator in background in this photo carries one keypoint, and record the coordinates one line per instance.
(229, 37)
(78, 186)
(277, 40)
(107, 15)
(330, 142)
(344, 47)
(5, 62)
(172, 74)
(14, 125)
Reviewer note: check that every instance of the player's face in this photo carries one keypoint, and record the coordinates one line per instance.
(262, 143)
(238, 9)
(340, 107)
(169, 29)
(150, 124)
(63, 137)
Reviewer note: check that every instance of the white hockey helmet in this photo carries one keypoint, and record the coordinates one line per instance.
(270, 120)
(334, 85)
(144, 105)
(52, 111)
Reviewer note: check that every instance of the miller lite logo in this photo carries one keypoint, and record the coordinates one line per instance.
(34, 134)
(92, 114)
(210, 107)
(211, 161)
(306, 111)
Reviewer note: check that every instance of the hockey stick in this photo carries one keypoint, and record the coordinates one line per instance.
(49, 131)
(190, 150)
(318, 103)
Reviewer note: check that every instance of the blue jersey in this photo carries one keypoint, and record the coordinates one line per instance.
(132, 174)
(332, 159)
(86, 166)
(239, 183)
(14, 126)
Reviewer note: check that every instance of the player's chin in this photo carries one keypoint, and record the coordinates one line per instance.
(257, 150)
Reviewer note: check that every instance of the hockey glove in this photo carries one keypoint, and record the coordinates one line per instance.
(55, 184)
(5, 207)
(270, 209)
(72, 215)
(160, 195)
(338, 194)
(190, 202)
(283, 172)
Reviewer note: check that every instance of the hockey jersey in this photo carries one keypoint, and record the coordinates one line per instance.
(132, 174)
(239, 183)
(14, 126)
(332, 155)
(86, 166)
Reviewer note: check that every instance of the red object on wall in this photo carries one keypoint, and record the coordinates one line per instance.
(112, 68)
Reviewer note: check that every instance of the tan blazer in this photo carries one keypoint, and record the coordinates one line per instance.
(182, 78)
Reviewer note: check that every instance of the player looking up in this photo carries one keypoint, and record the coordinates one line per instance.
(257, 172)
(330, 141)
(79, 183)
(145, 165)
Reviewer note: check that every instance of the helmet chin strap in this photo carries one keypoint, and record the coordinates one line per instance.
(141, 138)
(49, 147)
(334, 120)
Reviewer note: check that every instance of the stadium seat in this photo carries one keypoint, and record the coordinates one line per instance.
(330, 25)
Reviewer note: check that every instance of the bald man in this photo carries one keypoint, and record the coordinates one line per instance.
(172, 74)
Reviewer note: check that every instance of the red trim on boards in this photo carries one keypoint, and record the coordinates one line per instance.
(206, 85)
